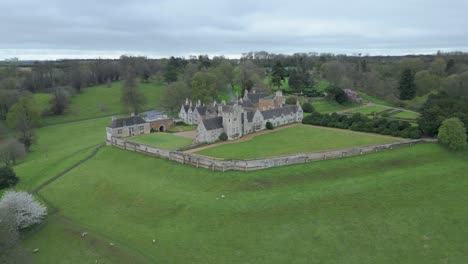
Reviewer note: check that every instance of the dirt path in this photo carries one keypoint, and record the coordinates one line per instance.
(242, 139)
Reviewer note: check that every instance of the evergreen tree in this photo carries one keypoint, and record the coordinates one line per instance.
(278, 74)
(295, 80)
(407, 85)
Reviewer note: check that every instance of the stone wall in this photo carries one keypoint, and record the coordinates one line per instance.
(256, 164)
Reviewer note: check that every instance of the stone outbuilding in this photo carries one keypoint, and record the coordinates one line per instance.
(158, 121)
(127, 127)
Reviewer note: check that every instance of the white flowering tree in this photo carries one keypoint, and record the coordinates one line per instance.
(26, 209)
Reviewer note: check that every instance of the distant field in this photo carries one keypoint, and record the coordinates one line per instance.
(324, 106)
(370, 109)
(163, 140)
(375, 100)
(406, 115)
(98, 101)
(303, 138)
(397, 206)
(43, 101)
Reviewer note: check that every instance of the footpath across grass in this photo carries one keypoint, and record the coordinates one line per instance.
(162, 140)
(59, 147)
(396, 206)
(297, 139)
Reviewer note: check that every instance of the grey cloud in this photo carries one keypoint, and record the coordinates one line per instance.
(160, 28)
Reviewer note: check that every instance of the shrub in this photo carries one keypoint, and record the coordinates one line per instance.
(358, 122)
(269, 125)
(27, 210)
(307, 108)
(452, 133)
(291, 100)
(180, 123)
(7, 177)
(337, 94)
(223, 136)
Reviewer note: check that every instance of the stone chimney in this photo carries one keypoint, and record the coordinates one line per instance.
(186, 101)
(113, 118)
(214, 103)
(198, 103)
(223, 102)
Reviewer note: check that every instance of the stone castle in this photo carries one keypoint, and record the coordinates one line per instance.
(243, 116)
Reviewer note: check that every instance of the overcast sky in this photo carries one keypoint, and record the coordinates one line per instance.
(51, 29)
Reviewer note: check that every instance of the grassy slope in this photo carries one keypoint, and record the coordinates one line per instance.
(163, 140)
(399, 206)
(86, 104)
(407, 115)
(325, 106)
(296, 139)
(58, 147)
(370, 109)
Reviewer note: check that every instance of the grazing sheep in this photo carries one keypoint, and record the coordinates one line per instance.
(84, 234)
(36, 250)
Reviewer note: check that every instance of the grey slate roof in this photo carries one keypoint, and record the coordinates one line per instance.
(255, 97)
(213, 123)
(285, 110)
(250, 116)
(128, 121)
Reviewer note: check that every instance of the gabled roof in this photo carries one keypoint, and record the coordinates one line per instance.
(128, 121)
(213, 123)
(277, 112)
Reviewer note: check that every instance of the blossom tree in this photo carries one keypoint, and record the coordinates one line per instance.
(26, 209)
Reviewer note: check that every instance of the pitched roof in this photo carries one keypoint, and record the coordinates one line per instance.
(255, 97)
(213, 123)
(128, 121)
(277, 112)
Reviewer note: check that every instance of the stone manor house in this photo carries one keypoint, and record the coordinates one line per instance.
(241, 117)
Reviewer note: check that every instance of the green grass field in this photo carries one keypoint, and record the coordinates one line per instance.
(370, 109)
(163, 140)
(398, 206)
(182, 128)
(406, 115)
(99, 101)
(57, 148)
(324, 106)
(297, 139)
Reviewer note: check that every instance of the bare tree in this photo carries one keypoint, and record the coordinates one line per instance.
(11, 150)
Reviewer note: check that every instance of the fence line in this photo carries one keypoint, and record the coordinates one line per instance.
(217, 164)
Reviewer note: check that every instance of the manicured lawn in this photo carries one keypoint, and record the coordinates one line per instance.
(303, 138)
(370, 109)
(324, 106)
(163, 140)
(98, 101)
(406, 115)
(398, 206)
